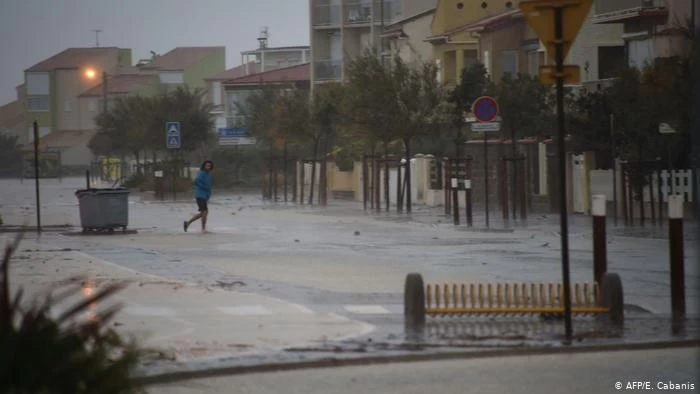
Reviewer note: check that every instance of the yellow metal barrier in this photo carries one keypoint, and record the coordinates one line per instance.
(507, 298)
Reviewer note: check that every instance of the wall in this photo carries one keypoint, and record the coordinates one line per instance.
(70, 84)
(88, 108)
(448, 16)
(214, 64)
(275, 60)
(497, 41)
(584, 50)
(414, 48)
(413, 7)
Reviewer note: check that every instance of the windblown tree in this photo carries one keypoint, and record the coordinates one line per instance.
(472, 85)
(395, 101)
(371, 105)
(259, 112)
(136, 124)
(10, 156)
(326, 107)
(525, 107)
(419, 96)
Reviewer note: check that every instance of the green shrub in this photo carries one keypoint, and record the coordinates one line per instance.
(136, 181)
(44, 355)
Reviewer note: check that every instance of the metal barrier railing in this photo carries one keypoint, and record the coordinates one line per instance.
(510, 299)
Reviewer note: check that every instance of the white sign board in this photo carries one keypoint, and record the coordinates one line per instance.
(486, 126)
(225, 141)
(665, 128)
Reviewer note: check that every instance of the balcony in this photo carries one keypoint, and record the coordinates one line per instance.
(358, 13)
(326, 15)
(616, 11)
(327, 69)
(392, 10)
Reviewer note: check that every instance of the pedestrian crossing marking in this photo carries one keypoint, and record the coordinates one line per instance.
(149, 311)
(249, 310)
(366, 309)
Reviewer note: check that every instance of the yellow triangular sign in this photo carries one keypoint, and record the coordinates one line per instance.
(540, 16)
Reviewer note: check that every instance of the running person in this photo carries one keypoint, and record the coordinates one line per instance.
(202, 192)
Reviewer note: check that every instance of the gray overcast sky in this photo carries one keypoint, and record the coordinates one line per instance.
(33, 30)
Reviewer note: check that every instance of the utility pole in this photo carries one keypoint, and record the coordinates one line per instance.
(97, 36)
(104, 92)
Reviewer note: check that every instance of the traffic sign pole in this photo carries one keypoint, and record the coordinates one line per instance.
(563, 218)
(485, 109)
(486, 177)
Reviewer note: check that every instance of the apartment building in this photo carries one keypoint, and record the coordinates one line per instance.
(509, 46)
(652, 29)
(263, 59)
(342, 29)
(237, 90)
(454, 46)
(64, 93)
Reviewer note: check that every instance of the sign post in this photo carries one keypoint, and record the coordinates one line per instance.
(556, 23)
(36, 176)
(485, 110)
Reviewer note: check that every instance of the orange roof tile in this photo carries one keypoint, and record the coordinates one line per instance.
(72, 58)
(236, 72)
(300, 72)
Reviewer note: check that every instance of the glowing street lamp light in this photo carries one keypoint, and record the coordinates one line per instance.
(90, 73)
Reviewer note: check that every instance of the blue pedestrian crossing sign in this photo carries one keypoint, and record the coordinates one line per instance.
(172, 135)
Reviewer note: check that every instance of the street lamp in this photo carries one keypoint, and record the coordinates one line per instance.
(91, 74)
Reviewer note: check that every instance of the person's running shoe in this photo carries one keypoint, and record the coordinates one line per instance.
(184, 225)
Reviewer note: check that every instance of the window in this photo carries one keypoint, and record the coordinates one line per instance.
(216, 93)
(43, 131)
(535, 59)
(37, 84)
(174, 77)
(67, 106)
(438, 65)
(38, 103)
(234, 99)
(610, 61)
(487, 63)
(509, 63)
(640, 53)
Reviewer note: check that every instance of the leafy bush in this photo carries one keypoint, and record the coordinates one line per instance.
(10, 156)
(136, 181)
(41, 354)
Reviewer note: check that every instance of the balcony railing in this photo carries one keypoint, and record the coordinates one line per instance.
(326, 15)
(236, 120)
(355, 13)
(358, 13)
(609, 6)
(327, 69)
(392, 11)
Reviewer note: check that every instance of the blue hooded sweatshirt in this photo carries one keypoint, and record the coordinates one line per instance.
(202, 185)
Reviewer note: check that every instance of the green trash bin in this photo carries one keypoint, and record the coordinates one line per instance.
(103, 209)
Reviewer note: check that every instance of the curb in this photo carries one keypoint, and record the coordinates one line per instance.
(170, 377)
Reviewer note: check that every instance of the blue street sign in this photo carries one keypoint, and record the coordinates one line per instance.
(233, 132)
(485, 109)
(172, 135)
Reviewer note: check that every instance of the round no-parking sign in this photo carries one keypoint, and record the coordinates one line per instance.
(485, 109)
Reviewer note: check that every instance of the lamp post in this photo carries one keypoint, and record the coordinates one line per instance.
(92, 74)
